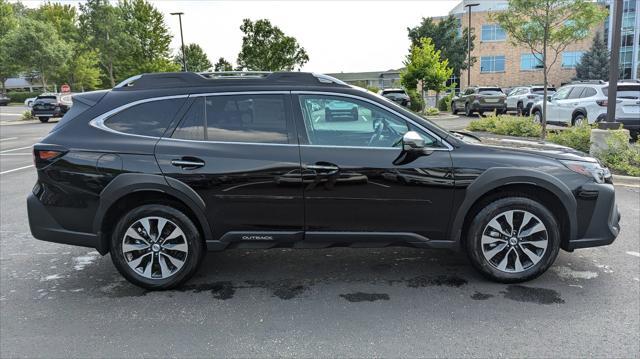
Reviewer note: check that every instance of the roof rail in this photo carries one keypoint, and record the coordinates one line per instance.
(596, 82)
(235, 74)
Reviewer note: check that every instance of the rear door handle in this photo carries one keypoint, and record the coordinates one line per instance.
(188, 164)
(325, 169)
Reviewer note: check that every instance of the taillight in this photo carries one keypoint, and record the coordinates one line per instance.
(531, 97)
(602, 103)
(46, 154)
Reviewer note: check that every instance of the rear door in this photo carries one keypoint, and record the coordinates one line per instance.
(239, 152)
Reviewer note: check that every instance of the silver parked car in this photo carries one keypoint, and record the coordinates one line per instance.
(521, 99)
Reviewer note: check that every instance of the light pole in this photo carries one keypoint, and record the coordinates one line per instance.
(184, 59)
(469, 6)
(614, 67)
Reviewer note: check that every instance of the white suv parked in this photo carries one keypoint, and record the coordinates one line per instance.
(586, 102)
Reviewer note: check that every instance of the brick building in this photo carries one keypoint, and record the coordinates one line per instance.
(499, 63)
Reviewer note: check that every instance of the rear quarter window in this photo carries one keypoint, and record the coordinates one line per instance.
(147, 119)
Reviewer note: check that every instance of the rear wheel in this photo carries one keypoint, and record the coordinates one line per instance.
(519, 109)
(156, 247)
(467, 110)
(513, 239)
(454, 110)
(43, 119)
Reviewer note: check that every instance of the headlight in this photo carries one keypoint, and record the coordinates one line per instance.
(590, 169)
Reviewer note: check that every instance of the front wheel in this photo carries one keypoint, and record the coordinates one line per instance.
(467, 110)
(537, 116)
(579, 120)
(513, 240)
(43, 119)
(156, 247)
(454, 110)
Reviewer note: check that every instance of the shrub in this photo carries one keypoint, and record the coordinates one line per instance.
(444, 104)
(620, 156)
(578, 137)
(417, 102)
(432, 111)
(26, 116)
(16, 96)
(373, 89)
(507, 125)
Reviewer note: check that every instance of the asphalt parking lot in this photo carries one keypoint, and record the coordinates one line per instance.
(63, 301)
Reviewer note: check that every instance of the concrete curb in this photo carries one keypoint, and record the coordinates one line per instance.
(626, 180)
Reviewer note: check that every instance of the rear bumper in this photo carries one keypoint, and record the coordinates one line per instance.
(476, 106)
(604, 224)
(45, 228)
(630, 123)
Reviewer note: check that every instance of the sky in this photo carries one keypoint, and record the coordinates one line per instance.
(339, 36)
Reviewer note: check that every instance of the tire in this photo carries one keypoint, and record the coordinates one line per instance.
(537, 116)
(454, 110)
(43, 119)
(467, 110)
(578, 120)
(519, 109)
(186, 247)
(488, 256)
(480, 113)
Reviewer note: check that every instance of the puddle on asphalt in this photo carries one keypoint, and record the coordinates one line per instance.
(481, 296)
(520, 293)
(364, 297)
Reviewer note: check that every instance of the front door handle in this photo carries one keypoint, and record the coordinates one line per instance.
(324, 168)
(188, 164)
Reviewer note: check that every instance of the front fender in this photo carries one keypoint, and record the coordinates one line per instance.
(128, 183)
(497, 177)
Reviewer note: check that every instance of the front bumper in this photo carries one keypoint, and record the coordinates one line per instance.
(44, 227)
(603, 225)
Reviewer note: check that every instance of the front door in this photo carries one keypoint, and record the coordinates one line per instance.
(352, 186)
(236, 151)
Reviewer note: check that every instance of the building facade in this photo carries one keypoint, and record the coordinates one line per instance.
(630, 37)
(499, 63)
(370, 79)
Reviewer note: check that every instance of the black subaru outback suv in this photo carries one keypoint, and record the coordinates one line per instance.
(166, 166)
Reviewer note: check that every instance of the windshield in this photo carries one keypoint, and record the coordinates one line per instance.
(46, 99)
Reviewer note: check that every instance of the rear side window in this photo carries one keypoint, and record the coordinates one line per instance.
(575, 93)
(588, 92)
(148, 119)
(236, 118)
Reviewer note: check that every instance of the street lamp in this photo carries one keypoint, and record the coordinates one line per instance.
(469, 6)
(614, 70)
(184, 59)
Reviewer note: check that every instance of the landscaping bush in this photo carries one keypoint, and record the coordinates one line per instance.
(19, 97)
(417, 102)
(620, 156)
(578, 137)
(444, 104)
(26, 116)
(373, 89)
(432, 111)
(507, 125)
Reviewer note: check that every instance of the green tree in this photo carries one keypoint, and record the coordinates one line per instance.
(104, 30)
(424, 67)
(222, 65)
(594, 64)
(8, 22)
(547, 27)
(197, 60)
(150, 39)
(446, 38)
(266, 48)
(38, 47)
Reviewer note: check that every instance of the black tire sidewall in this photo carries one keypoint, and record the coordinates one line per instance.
(474, 250)
(43, 119)
(577, 119)
(194, 255)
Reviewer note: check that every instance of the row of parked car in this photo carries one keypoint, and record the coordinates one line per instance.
(573, 104)
(49, 105)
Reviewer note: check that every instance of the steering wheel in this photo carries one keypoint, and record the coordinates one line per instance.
(378, 125)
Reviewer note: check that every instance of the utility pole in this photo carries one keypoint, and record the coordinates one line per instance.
(469, 6)
(614, 67)
(184, 59)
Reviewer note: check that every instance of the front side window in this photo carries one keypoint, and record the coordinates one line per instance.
(493, 32)
(577, 91)
(147, 119)
(340, 121)
(530, 62)
(492, 64)
(562, 93)
(236, 118)
(571, 58)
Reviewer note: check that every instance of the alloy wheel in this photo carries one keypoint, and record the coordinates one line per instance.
(537, 117)
(514, 241)
(155, 247)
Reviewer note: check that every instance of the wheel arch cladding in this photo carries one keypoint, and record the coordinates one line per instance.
(132, 189)
(578, 111)
(499, 180)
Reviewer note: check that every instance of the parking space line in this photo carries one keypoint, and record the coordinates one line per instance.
(16, 169)
(17, 154)
(16, 149)
(8, 139)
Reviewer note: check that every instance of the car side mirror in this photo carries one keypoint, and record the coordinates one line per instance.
(550, 98)
(412, 141)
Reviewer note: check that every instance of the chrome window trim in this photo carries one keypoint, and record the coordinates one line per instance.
(231, 93)
(438, 138)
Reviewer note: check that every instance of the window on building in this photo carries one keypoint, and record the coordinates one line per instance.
(530, 62)
(571, 58)
(493, 32)
(492, 64)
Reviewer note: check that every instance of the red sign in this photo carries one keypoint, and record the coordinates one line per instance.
(65, 88)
